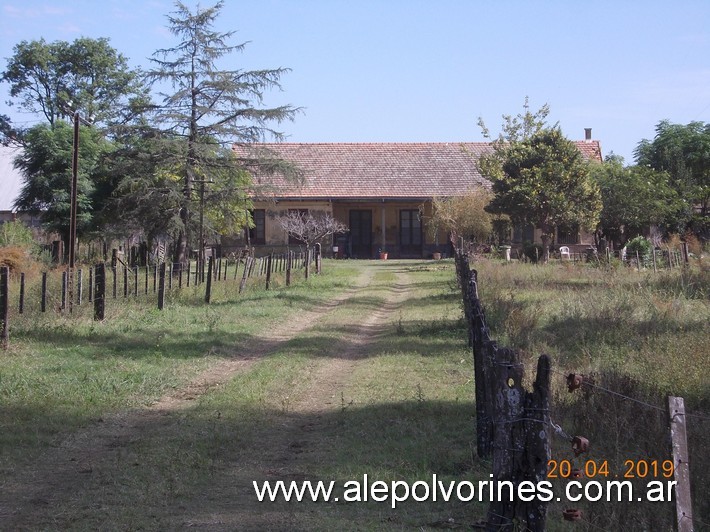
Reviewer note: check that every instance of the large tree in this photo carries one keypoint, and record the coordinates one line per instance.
(633, 198)
(684, 152)
(208, 110)
(539, 177)
(46, 163)
(87, 75)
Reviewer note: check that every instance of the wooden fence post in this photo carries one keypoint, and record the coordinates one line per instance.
(210, 275)
(5, 306)
(79, 286)
(115, 281)
(245, 273)
(161, 287)
(308, 263)
(681, 471)
(91, 285)
(318, 258)
(99, 291)
(269, 264)
(289, 263)
(22, 293)
(125, 281)
(43, 302)
(64, 290)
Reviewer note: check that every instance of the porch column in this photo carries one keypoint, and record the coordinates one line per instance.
(382, 226)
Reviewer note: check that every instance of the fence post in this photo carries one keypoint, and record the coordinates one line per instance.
(269, 264)
(308, 263)
(91, 285)
(161, 287)
(22, 293)
(5, 306)
(210, 275)
(135, 281)
(318, 258)
(125, 281)
(289, 263)
(681, 471)
(99, 291)
(79, 286)
(64, 290)
(245, 273)
(43, 302)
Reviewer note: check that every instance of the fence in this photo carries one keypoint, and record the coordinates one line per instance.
(64, 291)
(514, 428)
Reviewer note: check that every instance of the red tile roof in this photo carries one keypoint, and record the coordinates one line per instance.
(384, 170)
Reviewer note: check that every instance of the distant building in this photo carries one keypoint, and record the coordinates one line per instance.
(381, 191)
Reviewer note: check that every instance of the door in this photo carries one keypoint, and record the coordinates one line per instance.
(361, 234)
(410, 233)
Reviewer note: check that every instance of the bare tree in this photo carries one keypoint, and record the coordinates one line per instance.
(309, 228)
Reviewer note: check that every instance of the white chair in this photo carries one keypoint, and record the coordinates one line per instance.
(564, 253)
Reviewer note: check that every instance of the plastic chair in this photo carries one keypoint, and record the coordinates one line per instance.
(564, 253)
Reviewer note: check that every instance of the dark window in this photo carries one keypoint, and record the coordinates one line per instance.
(410, 229)
(568, 234)
(524, 233)
(257, 234)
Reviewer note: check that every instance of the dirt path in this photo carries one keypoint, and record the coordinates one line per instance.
(27, 498)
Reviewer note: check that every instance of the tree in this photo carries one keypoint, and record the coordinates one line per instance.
(633, 198)
(539, 177)
(46, 165)
(309, 228)
(55, 79)
(684, 152)
(463, 216)
(209, 108)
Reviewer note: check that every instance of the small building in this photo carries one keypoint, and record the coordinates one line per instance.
(381, 191)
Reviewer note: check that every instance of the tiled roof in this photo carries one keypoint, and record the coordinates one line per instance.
(384, 170)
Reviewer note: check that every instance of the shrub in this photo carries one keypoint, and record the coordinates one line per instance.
(639, 245)
(532, 251)
(15, 233)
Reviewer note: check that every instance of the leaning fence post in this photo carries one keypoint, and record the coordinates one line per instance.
(681, 470)
(5, 306)
(245, 274)
(99, 291)
(269, 263)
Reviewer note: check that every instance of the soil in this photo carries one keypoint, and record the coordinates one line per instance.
(37, 497)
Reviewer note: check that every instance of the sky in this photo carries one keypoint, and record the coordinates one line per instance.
(426, 71)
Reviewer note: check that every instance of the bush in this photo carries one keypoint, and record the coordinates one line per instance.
(641, 245)
(532, 251)
(16, 234)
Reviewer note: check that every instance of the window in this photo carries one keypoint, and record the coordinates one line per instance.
(410, 229)
(257, 234)
(567, 234)
(524, 233)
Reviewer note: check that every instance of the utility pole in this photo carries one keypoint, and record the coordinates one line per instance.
(201, 252)
(72, 211)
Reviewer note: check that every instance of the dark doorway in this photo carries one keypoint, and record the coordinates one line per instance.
(361, 234)
(410, 233)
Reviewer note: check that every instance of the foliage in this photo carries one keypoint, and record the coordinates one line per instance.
(46, 165)
(633, 198)
(684, 152)
(54, 79)
(309, 228)
(210, 107)
(463, 216)
(533, 251)
(15, 233)
(639, 245)
(540, 177)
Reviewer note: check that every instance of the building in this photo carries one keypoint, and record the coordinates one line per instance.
(381, 191)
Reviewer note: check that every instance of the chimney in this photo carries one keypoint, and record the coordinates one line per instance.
(587, 134)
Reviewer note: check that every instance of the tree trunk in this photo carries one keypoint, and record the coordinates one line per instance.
(546, 238)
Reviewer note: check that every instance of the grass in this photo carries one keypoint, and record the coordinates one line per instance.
(401, 410)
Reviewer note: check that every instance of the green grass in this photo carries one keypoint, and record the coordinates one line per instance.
(403, 410)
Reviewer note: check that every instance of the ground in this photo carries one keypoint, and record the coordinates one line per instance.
(188, 460)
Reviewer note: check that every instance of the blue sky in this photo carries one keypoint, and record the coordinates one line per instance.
(424, 71)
